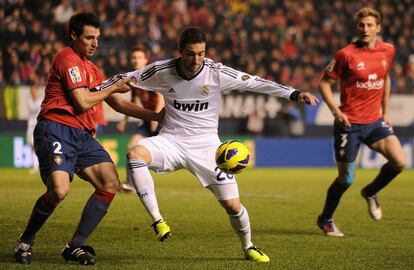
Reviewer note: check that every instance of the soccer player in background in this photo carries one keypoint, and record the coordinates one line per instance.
(64, 143)
(191, 85)
(362, 69)
(34, 104)
(149, 100)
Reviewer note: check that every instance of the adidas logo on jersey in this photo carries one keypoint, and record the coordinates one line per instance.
(188, 107)
(171, 90)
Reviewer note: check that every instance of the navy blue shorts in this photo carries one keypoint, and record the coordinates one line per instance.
(347, 140)
(63, 148)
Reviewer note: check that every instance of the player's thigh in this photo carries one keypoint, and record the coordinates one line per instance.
(95, 165)
(346, 172)
(390, 148)
(140, 152)
(201, 163)
(53, 143)
(347, 141)
(135, 138)
(165, 154)
(58, 185)
(90, 152)
(102, 176)
(224, 192)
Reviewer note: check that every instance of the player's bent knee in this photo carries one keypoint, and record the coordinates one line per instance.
(111, 184)
(399, 165)
(232, 207)
(137, 152)
(59, 194)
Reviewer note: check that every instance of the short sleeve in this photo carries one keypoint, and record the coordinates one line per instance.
(71, 72)
(335, 68)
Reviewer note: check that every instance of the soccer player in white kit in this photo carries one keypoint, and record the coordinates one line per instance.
(34, 104)
(191, 85)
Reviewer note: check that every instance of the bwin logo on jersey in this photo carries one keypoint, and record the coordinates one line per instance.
(188, 107)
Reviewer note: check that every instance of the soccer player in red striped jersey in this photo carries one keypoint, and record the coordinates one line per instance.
(362, 69)
(64, 142)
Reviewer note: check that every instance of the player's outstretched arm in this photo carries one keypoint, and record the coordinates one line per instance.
(128, 108)
(83, 98)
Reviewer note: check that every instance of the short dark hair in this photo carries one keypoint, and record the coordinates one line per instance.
(190, 35)
(78, 21)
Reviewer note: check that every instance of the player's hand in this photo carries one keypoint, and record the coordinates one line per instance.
(341, 119)
(387, 119)
(308, 98)
(122, 86)
(153, 126)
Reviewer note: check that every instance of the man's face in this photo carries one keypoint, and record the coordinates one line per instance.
(192, 57)
(368, 29)
(87, 42)
(138, 59)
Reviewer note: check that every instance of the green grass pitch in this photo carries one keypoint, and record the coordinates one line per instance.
(282, 204)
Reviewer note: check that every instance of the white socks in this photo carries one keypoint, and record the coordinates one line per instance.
(241, 225)
(144, 184)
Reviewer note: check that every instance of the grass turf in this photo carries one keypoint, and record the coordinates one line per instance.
(282, 204)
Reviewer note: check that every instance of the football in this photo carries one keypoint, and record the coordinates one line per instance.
(232, 157)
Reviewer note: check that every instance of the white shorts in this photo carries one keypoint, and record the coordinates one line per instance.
(195, 153)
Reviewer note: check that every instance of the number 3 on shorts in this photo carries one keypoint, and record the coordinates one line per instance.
(344, 139)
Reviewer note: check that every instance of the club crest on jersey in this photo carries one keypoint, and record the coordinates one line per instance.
(75, 74)
(204, 90)
(331, 65)
(133, 80)
(361, 66)
(245, 77)
(58, 159)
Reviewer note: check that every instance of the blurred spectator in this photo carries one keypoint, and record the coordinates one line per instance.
(294, 119)
(255, 124)
(288, 41)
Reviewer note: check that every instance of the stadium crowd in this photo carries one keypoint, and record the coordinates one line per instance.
(287, 41)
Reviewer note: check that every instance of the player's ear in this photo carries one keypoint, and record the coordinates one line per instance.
(73, 35)
(378, 28)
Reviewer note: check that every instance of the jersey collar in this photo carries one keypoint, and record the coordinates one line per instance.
(182, 75)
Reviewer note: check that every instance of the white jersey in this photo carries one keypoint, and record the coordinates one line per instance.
(192, 105)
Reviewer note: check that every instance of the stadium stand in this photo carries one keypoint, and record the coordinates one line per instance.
(287, 41)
